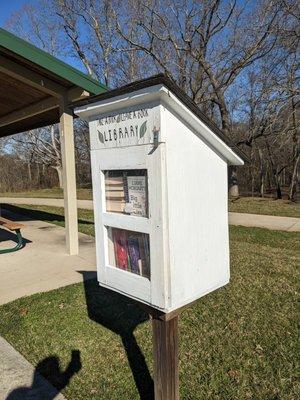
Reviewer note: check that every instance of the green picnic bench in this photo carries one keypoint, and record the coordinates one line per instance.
(13, 227)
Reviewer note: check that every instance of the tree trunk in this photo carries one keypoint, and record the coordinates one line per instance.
(294, 180)
(58, 169)
(277, 175)
(252, 184)
(38, 175)
(296, 155)
(29, 172)
(233, 188)
(278, 189)
(232, 182)
(261, 173)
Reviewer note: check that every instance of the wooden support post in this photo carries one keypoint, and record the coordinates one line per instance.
(165, 344)
(69, 178)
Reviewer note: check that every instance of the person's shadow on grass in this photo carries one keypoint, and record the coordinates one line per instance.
(48, 371)
(121, 315)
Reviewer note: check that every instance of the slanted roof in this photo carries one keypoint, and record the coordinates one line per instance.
(33, 83)
(214, 136)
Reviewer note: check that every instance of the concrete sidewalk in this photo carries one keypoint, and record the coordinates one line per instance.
(19, 380)
(43, 264)
(265, 221)
(250, 220)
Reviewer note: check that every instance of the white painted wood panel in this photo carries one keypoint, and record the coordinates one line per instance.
(122, 221)
(198, 226)
(187, 221)
(151, 158)
(132, 285)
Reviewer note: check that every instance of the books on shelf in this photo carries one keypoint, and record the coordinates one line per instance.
(127, 194)
(131, 251)
(115, 195)
(134, 254)
(121, 248)
(145, 255)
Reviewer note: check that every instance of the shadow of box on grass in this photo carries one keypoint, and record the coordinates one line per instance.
(114, 312)
(120, 315)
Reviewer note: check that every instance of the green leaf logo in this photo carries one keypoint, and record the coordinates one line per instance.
(143, 129)
(101, 137)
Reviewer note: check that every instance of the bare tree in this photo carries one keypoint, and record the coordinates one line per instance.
(41, 146)
(204, 46)
(237, 60)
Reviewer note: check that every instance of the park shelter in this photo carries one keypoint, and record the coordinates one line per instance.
(36, 90)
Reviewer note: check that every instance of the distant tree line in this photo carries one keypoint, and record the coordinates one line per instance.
(239, 61)
(32, 160)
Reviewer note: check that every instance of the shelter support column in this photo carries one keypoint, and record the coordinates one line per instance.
(69, 178)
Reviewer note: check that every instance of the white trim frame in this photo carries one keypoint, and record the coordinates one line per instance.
(155, 291)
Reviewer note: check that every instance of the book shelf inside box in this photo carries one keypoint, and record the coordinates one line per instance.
(129, 251)
(126, 191)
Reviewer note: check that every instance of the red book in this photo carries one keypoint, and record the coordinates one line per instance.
(121, 249)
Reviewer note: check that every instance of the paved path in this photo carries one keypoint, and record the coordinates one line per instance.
(43, 263)
(19, 380)
(251, 220)
(40, 266)
(265, 221)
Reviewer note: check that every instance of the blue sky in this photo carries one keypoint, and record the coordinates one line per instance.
(7, 7)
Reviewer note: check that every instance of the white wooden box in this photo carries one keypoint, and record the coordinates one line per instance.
(152, 126)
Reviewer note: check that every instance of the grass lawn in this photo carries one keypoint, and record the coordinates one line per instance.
(240, 342)
(258, 205)
(54, 193)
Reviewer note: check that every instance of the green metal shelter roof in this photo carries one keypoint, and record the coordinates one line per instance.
(34, 85)
(45, 60)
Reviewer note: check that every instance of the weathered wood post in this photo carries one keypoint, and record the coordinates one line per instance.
(166, 363)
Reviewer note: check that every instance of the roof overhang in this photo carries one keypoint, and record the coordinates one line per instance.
(161, 89)
(34, 84)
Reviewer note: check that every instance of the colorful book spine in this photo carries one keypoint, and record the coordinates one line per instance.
(134, 254)
(145, 256)
(121, 251)
(125, 186)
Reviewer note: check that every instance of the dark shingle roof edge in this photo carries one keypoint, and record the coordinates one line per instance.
(178, 92)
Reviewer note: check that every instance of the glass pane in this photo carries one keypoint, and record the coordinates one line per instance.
(129, 251)
(126, 192)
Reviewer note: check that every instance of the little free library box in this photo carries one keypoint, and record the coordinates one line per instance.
(159, 169)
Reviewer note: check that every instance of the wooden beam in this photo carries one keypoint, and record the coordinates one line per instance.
(69, 178)
(31, 78)
(77, 93)
(165, 351)
(29, 111)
